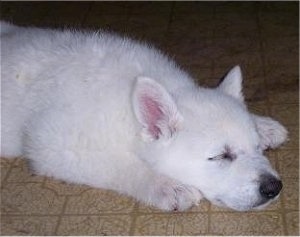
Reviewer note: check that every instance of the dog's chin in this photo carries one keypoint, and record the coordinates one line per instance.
(258, 205)
(264, 203)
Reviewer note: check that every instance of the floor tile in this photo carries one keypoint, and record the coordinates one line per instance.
(235, 7)
(288, 163)
(225, 24)
(95, 225)
(290, 193)
(193, 8)
(287, 114)
(176, 224)
(21, 173)
(98, 202)
(146, 8)
(246, 224)
(29, 199)
(183, 25)
(62, 188)
(293, 138)
(292, 220)
(28, 225)
(280, 51)
(279, 24)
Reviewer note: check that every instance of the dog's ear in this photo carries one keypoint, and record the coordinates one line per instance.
(232, 83)
(155, 109)
(272, 134)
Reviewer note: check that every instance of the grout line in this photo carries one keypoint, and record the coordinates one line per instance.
(4, 181)
(84, 19)
(61, 215)
(168, 28)
(134, 215)
(263, 59)
(268, 107)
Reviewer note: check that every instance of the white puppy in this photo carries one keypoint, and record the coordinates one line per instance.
(106, 111)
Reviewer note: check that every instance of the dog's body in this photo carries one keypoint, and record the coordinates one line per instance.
(97, 109)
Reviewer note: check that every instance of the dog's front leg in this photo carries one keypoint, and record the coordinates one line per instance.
(157, 190)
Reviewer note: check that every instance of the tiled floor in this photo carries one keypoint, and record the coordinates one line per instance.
(207, 38)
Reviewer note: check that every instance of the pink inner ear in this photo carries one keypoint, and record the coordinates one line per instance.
(152, 114)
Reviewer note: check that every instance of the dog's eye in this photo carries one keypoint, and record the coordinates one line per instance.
(228, 156)
(224, 156)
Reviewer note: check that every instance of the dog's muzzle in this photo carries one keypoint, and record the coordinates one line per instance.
(270, 187)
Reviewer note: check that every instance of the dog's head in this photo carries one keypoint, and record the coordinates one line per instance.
(207, 138)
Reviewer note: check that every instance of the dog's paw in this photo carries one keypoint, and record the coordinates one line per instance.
(169, 195)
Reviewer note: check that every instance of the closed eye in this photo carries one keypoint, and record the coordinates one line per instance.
(226, 155)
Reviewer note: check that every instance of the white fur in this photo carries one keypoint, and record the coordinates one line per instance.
(98, 109)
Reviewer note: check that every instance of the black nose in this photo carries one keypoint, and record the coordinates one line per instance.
(270, 186)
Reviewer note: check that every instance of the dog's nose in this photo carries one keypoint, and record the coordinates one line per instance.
(270, 187)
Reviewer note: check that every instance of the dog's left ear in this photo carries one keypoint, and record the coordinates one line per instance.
(272, 134)
(155, 110)
(232, 83)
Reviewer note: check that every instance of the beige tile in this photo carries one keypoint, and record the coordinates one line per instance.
(284, 94)
(245, 47)
(184, 25)
(193, 8)
(292, 222)
(257, 107)
(269, 223)
(293, 136)
(150, 28)
(200, 74)
(22, 12)
(5, 166)
(211, 82)
(281, 51)
(272, 157)
(255, 93)
(225, 24)
(95, 225)
(282, 75)
(172, 224)
(98, 202)
(287, 114)
(64, 189)
(290, 193)
(7, 162)
(28, 199)
(65, 14)
(3, 172)
(21, 173)
(283, 83)
(288, 163)
(190, 50)
(235, 7)
(280, 6)
(109, 8)
(28, 225)
(114, 23)
(149, 8)
(278, 24)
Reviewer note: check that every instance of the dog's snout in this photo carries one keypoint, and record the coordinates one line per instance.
(270, 186)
